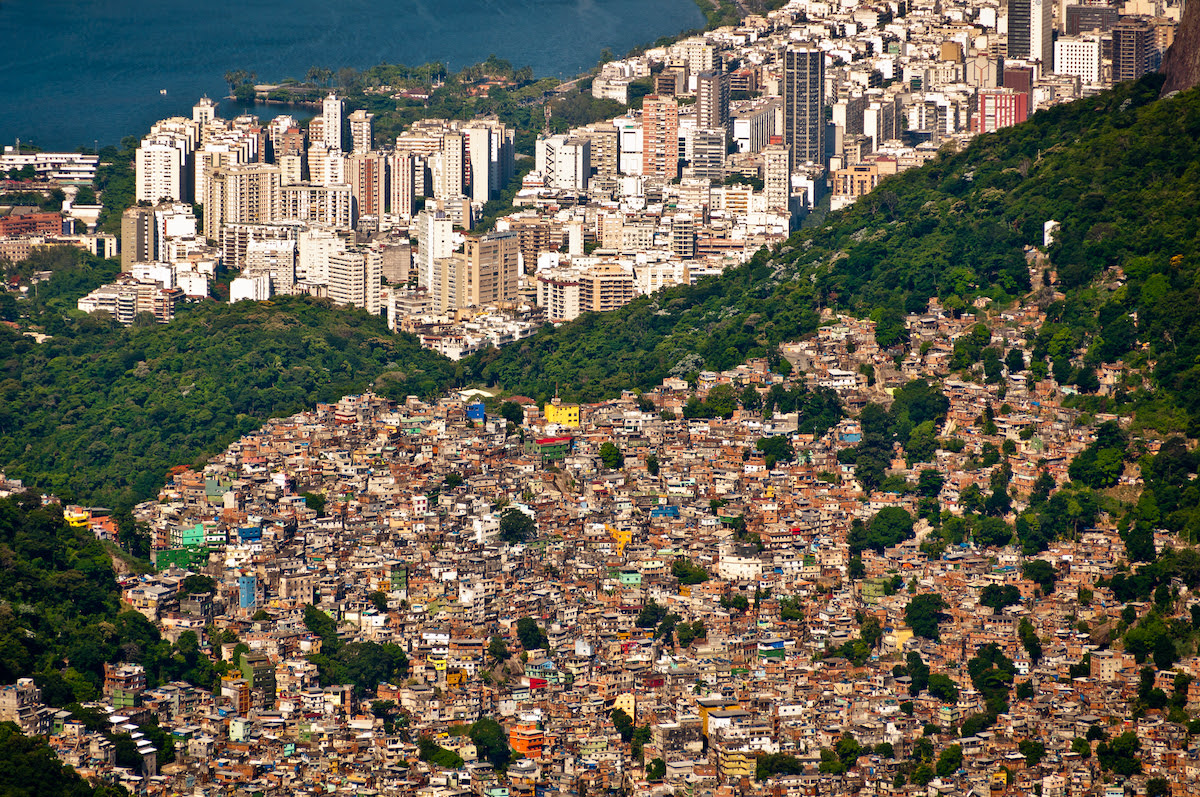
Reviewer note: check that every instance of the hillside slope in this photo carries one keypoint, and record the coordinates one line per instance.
(1118, 171)
(100, 413)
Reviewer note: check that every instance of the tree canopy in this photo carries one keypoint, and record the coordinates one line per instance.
(101, 413)
(923, 613)
(516, 526)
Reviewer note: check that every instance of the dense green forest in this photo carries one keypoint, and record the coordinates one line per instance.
(29, 768)
(1118, 171)
(101, 412)
(56, 588)
(61, 621)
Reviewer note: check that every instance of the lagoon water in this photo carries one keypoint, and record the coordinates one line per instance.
(76, 72)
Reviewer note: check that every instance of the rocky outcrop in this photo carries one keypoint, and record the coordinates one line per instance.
(1181, 64)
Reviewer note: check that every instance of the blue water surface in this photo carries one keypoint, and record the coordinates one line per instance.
(72, 73)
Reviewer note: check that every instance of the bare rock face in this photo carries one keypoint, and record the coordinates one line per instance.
(1181, 64)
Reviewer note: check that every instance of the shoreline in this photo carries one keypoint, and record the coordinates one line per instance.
(704, 6)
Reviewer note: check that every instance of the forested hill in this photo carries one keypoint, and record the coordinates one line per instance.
(1119, 171)
(99, 413)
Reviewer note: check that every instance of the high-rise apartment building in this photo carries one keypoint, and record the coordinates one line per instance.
(804, 103)
(450, 166)
(204, 111)
(484, 273)
(660, 137)
(277, 129)
(605, 287)
(291, 142)
(137, 236)
(360, 131)
(631, 144)
(401, 183)
(291, 169)
(275, 260)
(328, 205)
(331, 119)
(314, 249)
(697, 53)
(225, 148)
(355, 277)
(683, 236)
(1030, 30)
(881, 121)
(243, 193)
(777, 176)
(712, 101)
(1132, 49)
(236, 239)
(326, 166)
(754, 126)
(558, 294)
(160, 171)
(493, 263)
(490, 153)
(1085, 18)
(1079, 56)
(999, 108)
(603, 148)
(708, 154)
(435, 240)
(564, 161)
(366, 172)
(316, 131)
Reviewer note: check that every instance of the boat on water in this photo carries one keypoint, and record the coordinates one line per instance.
(162, 92)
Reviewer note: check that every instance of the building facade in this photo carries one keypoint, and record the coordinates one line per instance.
(660, 137)
(804, 103)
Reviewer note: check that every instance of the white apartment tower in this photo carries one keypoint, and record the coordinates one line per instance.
(435, 240)
(777, 175)
(204, 111)
(564, 161)
(331, 129)
(315, 248)
(490, 152)
(630, 143)
(355, 278)
(328, 205)
(326, 166)
(159, 171)
(360, 130)
(450, 166)
(1079, 56)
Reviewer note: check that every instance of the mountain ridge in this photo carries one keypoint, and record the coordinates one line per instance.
(1117, 171)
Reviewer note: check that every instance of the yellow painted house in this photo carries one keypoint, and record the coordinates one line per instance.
(737, 764)
(627, 702)
(562, 414)
(622, 537)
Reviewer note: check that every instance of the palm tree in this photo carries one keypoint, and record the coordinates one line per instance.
(235, 78)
